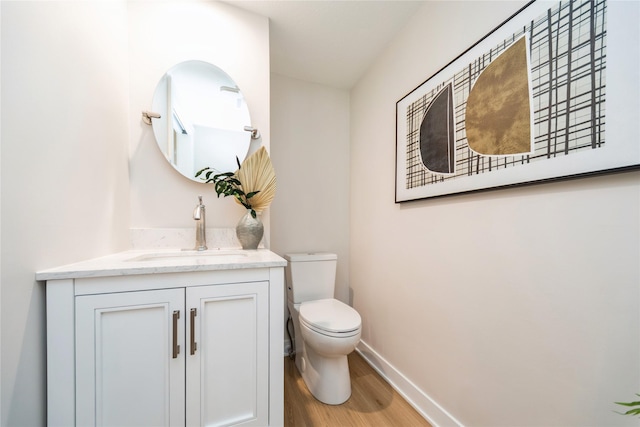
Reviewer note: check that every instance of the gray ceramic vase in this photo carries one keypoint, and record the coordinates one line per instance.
(249, 231)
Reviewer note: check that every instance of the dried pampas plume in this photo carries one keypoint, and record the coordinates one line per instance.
(256, 174)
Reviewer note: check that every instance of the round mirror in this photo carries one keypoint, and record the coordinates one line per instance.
(202, 119)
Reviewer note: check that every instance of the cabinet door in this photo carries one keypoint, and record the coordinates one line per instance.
(128, 370)
(228, 355)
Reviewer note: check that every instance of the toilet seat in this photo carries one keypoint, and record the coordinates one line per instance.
(330, 317)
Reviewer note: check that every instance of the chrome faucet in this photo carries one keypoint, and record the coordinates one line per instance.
(200, 216)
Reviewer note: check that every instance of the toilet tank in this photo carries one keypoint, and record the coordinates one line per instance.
(310, 276)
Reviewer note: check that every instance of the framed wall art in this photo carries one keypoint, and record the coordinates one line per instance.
(552, 93)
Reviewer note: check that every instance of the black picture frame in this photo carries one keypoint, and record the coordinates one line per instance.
(583, 70)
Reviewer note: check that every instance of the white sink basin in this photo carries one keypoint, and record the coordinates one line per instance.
(188, 255)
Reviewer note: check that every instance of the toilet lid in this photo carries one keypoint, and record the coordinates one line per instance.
(330, 315)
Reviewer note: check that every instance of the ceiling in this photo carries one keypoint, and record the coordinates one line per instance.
(326, 41)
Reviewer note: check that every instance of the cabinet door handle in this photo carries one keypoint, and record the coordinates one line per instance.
(176, 347)
(194, 344)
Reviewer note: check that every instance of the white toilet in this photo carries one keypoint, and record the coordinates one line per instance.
(325, 329)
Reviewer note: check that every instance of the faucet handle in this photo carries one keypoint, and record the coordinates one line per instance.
(199, 215)
(198, 211)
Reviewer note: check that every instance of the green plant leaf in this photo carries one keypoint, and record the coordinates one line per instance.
(223, 175)
(629, 403)
(634, 411)
(228, 184)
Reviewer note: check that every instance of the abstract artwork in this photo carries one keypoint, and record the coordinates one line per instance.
(528, 103)
(498, 114)
(437, 133)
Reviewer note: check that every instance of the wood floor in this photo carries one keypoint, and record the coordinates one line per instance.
(373, 401)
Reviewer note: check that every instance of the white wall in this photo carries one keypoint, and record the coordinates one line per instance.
(64, 180)
(310, 154)
(78, 165)
(509, 307)
(311, 159)
(0, 222)
(162, 34)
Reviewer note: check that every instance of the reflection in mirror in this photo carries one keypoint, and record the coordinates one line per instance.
(203, 116)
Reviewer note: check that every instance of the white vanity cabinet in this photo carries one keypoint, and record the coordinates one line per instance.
(227, 355)
(195, 348)
(124, 371)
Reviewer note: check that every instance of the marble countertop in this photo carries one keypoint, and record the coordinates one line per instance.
(164, 261)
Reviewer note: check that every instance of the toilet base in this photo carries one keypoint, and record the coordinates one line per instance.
(327, 378)
(325, 373)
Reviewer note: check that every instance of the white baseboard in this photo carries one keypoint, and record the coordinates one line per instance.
(426, 406)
